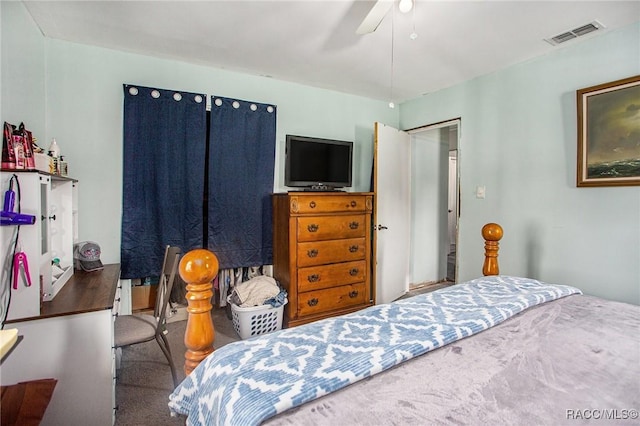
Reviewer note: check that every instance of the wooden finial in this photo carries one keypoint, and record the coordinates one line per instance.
(492, 233)
(198, 268)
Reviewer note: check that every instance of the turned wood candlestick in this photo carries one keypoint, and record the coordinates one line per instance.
(492, 233)
(198, 268)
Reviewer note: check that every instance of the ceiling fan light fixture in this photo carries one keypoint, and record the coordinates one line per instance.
(405, 6)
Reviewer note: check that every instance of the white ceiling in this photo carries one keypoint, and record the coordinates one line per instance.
(314, 42)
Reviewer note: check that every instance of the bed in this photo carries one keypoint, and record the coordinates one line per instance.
(494, 350)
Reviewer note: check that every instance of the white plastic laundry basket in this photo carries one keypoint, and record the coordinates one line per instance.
(256, 320)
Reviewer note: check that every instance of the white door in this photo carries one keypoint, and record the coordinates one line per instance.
(392, 185)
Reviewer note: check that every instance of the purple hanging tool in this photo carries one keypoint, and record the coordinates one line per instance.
(9, 217)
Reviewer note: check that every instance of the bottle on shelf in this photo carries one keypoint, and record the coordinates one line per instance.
(54, 152)
(54, 149)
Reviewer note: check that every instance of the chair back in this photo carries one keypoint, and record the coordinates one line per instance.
(165, 284)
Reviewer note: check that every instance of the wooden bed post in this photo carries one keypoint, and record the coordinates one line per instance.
(492, 233)
(198, 268)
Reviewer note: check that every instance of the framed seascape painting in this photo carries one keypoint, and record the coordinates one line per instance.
(609, 134)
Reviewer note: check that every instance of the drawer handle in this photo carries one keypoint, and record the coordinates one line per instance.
(353, 203)
(354, 225)
(312, 253)
(312, 302)
(313, 278)
(353, 272)
(313, 227)
(353, 249)
(312, 204)
(353, 294)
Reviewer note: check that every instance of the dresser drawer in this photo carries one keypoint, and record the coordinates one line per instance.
(318, 301)
(318, 277)
(318, 228)
(305, 204)
(323, 252)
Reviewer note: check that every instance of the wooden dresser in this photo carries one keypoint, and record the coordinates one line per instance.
(322, 253)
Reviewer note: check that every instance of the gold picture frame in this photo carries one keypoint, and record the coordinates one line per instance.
(609, 134)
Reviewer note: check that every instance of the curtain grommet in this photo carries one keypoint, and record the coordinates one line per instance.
(155, 94)
(133, 91)
(177, 97)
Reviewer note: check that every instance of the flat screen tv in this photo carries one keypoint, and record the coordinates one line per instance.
(317, 164)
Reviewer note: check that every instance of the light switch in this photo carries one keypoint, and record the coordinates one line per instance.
(480, 191)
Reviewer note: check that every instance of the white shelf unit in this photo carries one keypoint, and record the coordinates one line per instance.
(53, 201)
(62, 235)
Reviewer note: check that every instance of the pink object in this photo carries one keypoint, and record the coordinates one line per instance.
(20, 259)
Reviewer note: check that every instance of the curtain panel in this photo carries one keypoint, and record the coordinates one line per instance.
(163, 176)
(242, 141)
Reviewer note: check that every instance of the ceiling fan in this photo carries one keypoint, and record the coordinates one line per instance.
(378, 12)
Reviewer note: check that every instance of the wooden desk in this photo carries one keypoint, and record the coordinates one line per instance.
(84, 292)
(72, 341)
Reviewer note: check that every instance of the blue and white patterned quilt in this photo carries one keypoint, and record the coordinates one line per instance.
(247, 382)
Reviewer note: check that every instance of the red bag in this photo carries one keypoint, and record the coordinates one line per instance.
(17, 147)
(27, 143)
(8, 154)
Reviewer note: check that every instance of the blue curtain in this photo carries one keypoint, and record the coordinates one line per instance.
(163, 176)
(242, 141)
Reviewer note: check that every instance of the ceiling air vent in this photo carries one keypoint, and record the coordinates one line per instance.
(575, 33)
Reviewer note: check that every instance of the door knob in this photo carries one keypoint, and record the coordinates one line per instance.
(381, 227)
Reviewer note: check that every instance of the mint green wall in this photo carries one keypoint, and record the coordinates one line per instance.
(23, 70)
(84, 114)
(83, 104)
(518, 138)
(22, 92)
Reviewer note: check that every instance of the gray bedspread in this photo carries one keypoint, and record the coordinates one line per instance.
(572, 361)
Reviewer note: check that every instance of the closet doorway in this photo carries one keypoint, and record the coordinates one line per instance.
(435, 208)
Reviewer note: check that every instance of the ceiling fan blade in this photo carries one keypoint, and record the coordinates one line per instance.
(374, 17)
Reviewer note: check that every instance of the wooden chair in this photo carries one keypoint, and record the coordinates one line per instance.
(140, 328)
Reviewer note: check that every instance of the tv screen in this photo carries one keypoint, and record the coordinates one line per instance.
(319, 164)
